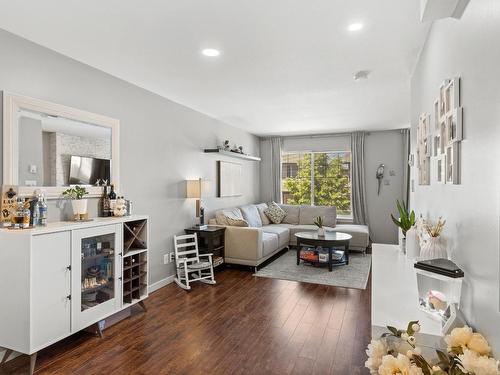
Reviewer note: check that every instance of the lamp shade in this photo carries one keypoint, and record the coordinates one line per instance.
(193, 188)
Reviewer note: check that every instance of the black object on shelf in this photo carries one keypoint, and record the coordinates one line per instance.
(440, 266)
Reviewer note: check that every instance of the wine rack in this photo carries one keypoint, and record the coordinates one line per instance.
(135, 236)
(135, 277)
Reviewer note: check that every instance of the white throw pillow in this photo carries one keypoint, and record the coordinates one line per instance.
(230, 216)
(261, 208)
(251, 215)
(275, 213)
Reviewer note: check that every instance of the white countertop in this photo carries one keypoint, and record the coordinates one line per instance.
(62, 226)
(394, 291)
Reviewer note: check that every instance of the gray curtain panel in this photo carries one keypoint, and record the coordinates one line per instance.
(276, 144)
(270, 169)
(359, 208)
(406, 166)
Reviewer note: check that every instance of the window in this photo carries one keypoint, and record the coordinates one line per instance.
(317, 178)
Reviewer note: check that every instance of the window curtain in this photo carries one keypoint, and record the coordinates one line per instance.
(276, 143)
(359, 208)
(270, 176)
(406, 166)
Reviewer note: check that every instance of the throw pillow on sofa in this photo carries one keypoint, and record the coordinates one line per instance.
(251, 215)
(231, 217)
(275, 213)
(261, 207)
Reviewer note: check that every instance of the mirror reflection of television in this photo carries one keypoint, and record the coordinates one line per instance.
(87, 171)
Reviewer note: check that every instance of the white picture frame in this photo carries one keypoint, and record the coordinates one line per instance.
(229, 176)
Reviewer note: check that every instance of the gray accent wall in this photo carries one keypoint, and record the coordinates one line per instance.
(161, 141)
(469, 48)
(384, 147)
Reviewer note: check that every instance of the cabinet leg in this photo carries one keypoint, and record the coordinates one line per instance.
(98, 330)
(32, 363)
(6, 356)
(143, 305)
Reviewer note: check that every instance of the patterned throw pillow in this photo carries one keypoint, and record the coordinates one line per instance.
(275, 213)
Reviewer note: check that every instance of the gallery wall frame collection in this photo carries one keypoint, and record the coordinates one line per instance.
(438, 146)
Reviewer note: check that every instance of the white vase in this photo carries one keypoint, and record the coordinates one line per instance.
(79, 206)
(433, 248)
(412, 243)
(402, 244)
(321, 232)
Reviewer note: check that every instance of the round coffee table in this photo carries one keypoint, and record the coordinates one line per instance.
(329, 240)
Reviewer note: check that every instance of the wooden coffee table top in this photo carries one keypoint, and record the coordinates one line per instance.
(329, 236)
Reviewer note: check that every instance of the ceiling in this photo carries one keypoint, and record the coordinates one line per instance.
(286, 66)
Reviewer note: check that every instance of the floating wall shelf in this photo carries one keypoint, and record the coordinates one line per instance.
(232, 154)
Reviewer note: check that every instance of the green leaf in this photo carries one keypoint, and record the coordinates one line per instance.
(410, 330)
(394, 331)
(421, 363)
(443, 358)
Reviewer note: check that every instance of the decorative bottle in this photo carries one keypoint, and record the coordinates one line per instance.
(42, 209)
(112, 200)
(26, 213)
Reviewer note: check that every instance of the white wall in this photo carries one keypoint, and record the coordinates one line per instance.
(380, 147)
(469, 48)
(161, 141)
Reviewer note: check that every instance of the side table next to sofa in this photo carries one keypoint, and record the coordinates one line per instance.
(211, 240)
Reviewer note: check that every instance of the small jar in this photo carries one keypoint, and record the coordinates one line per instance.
(18, 214)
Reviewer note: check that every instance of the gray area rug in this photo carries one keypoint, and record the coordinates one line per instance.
(355, 275)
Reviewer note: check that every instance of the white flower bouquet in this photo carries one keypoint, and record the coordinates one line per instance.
(397, 352)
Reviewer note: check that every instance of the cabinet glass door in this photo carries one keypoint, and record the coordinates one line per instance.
(96, 273)
(98, 270)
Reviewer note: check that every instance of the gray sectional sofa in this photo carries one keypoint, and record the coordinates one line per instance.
(253, 244)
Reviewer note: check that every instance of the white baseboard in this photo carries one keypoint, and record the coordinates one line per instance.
(161, 283)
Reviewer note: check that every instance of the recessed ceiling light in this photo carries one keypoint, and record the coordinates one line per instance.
(356, 26)
(211, 52)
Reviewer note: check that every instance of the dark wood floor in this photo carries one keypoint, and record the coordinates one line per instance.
(242, 325)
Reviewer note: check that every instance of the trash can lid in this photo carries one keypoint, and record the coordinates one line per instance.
(440, 266)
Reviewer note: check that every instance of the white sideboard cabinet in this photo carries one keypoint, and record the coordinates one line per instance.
(62, 278)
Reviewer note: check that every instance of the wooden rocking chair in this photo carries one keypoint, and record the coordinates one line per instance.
(188, 264)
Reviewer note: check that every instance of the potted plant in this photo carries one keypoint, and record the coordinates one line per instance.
(319, 223)
(405, 222)
(76, 195)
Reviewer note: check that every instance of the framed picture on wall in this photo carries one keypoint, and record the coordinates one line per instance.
(229, 176)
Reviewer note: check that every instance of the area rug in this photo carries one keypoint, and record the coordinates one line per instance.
(355, 275)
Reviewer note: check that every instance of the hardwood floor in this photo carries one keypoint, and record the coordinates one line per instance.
(242, 325)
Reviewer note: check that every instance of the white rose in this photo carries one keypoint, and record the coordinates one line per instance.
(376, 350)
(479, 344)
(398, 365)
(459, 337)
(415, 327)
(478, 365)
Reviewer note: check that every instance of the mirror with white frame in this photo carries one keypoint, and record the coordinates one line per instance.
(49, 146)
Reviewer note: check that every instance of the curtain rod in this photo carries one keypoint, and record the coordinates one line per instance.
(328, 135)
